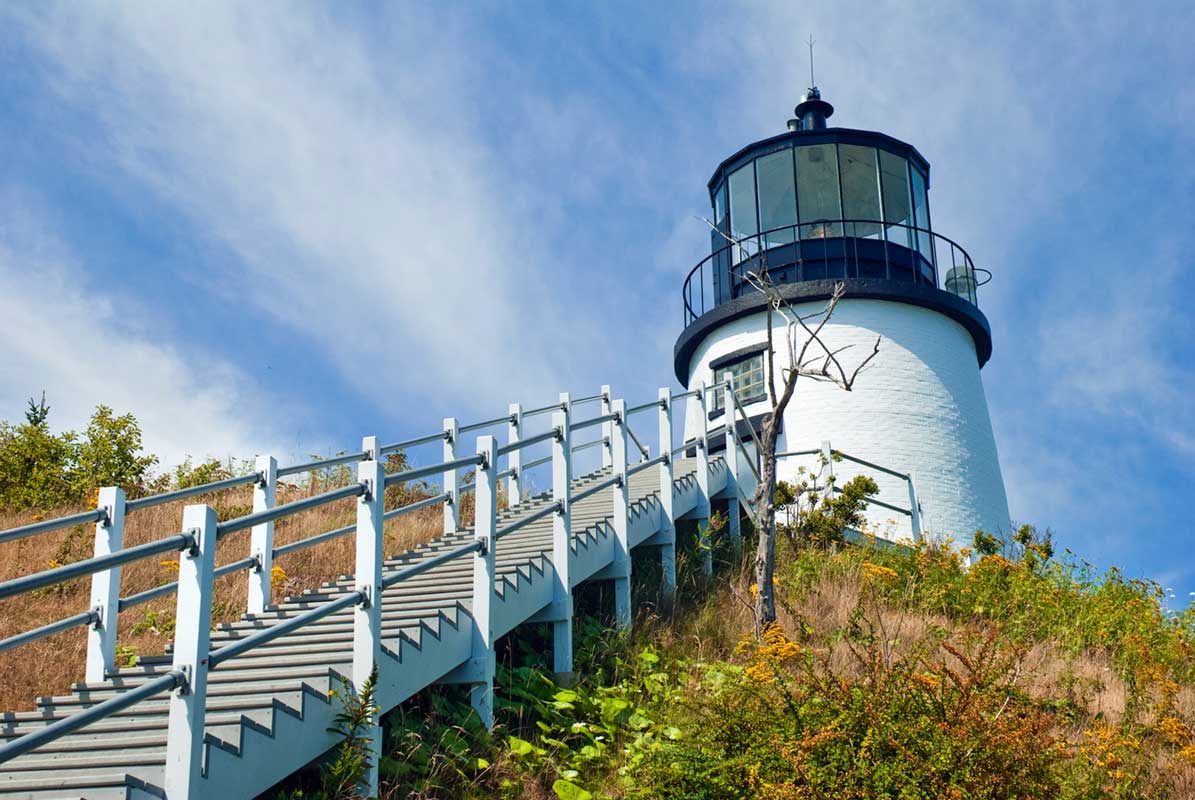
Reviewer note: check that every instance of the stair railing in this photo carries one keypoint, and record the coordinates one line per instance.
(192, 657)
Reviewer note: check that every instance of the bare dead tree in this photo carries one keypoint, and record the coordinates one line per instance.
(808, 357)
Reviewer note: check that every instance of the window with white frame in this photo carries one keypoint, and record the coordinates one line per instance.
(747, 374)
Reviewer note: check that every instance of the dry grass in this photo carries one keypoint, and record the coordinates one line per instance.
(51, 665)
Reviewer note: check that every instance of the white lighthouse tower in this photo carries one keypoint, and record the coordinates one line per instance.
(820, 206)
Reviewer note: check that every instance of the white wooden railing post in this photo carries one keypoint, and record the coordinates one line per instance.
(192, 643)
(828, 470)
(367, 616)
(607, 428)
(703, 483)
(562, 551)
(667, 516)
(452, 510)
(261, 541)
(514, 461)
(105, 588)
(732, 461)
(915, 508)
(621, 565)
(481, 696)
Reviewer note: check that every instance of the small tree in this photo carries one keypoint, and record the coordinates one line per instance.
(110, 454)
(810, 357)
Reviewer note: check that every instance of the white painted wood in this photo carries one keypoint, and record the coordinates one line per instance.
(481, 697)
(667, 506)
(105, 587)
(607, 447)
(732, 462)
(620, 516)
(192, 637)
(562, 536)
(915, 508)
(261, 538)
(367, 617)
(703, 479)
(452, 511)
(828, 469)
(514, 461)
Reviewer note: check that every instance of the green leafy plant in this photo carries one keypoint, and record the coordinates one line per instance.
(343, 775)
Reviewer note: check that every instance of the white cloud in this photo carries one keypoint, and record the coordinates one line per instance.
(74, 341)
(348, 179)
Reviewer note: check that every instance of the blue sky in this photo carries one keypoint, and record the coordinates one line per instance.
(278, 227)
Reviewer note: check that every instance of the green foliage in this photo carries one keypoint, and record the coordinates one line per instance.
(820, 516)
(341, 777)
(39, 469)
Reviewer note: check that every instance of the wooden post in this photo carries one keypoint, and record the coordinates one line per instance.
(261, 540)
(732, 462)
(105, 588)
(607, 447)
(562, 551)
(192, 643)
(481, 697)
(514, 461)
(703, 484)
(667, 516)
(621, 564)
(367, 616)
(452, 509)
(915, 509)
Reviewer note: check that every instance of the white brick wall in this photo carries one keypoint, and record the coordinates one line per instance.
(919, 406)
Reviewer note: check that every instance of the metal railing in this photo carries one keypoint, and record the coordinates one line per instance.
(203, 532)
(832, 249)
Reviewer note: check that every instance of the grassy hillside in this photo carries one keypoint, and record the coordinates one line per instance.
(890, 675)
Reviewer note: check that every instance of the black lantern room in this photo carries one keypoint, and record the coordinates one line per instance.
(817, 205)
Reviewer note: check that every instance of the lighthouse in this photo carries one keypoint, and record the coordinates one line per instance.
(817, 206)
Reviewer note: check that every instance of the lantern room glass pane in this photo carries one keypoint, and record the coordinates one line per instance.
(921, 215)
(720, 205)
(777, 197)
(860, 189)
(898, 205)
(743, 221)
(817, 199)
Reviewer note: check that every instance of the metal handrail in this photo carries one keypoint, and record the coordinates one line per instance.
(287, 509)
(271, 633)
(190, 491)
(312, 541)
(418, 504)
(595, 443)
(597, 487)
(476, 426)
(522, 444)
(554, 508)
(557, 406)
(433, 469)
(643, 450)
(768, 240)
(82, 518)
(750, 427)
(642, 465)
(589, 423)
(56, 730)
(536, 463)
(429, 563)
(90, 566)
(431, 437)
(872, 501)
(645, 407)
(902, 475)
(795, 453)
(590, 399)
(86, 618)
(312, 466)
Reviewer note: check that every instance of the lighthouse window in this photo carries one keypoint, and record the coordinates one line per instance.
(748, 381)
(921, 215)
(743, 222)
(898, 208)
(818, 206)
(777, 197)
(860, 189)
(720, 205)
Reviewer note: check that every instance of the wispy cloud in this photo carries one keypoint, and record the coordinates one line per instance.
(85, 346)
